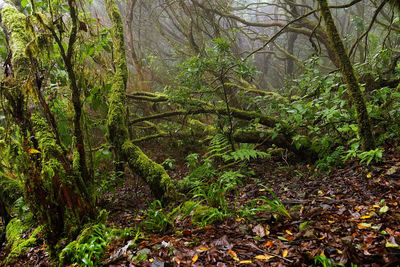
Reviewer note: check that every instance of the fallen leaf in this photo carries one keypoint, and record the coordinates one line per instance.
(384, 209)
(391, 243)
(203, 249)
(245, 262)
(364, 225)
(194, 259)
(282, 238)
(285, 253)
(233, 255)
(33, 151)
(259, 230)
(269, 243)
(263, 257)
(288, 232)
(365, 217)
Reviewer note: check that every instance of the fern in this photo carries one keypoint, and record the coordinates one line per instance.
(219, 146)
(245, 152)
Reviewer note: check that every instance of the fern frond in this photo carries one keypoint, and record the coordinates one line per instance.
(219, 146)
(246, 153)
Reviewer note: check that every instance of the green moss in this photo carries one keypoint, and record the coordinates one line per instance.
(14, 21)
(154, 174)
(202, 214)
(67, 253)
(10, 190)
(14, 233)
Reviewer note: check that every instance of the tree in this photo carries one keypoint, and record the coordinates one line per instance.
(357, 98)
(57, 189)
(154, 174)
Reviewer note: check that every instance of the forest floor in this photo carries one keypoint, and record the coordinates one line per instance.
(351, 215)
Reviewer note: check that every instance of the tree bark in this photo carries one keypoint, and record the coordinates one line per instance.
(357, 98)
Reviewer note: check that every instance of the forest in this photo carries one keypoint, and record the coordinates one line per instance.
(200, 133)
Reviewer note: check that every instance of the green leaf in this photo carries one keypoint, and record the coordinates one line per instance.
(282, 238)
(383, 209)
(24, 3)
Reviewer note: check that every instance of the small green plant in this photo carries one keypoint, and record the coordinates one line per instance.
(170, 163)
(156, 221)
(89, 248)
(199, 175)
(368, 156)
(192, 161)
(322, 260)
(214, 195)
(231, 179)
(274, 206)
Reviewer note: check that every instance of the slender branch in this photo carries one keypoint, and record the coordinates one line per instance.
(369, 27)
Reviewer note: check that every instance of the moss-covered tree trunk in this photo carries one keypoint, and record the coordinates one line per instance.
(357, 98)
(53, 185)
(154, 174)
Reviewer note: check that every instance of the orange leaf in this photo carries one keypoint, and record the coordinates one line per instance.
(233, 255)
(33, 151)
(364, 225)
(194, 259)
(269, 243)
(285, 252)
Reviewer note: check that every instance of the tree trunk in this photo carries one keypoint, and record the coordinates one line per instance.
(154, 174)
(53, 188)
(357, 98)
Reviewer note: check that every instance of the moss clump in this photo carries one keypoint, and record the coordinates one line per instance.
(14, 233)
(15, 24)
(202, 215)
(10, 190)
(67, 254)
